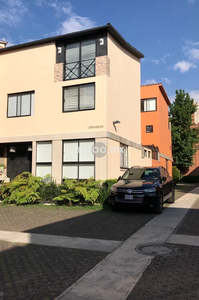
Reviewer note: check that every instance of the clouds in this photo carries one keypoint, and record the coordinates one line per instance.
(12, 12)
(191, 51)
(159, 60)
(71, 21)
(150, 81)
(190, 1)
(75, 23)
(166, 80)
(184, 66)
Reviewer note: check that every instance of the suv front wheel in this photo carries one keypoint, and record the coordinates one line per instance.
(159, 205)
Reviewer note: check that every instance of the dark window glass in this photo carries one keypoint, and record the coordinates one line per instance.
(149, 128)
(80, 60)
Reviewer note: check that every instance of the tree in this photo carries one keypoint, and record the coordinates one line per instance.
(185, 136)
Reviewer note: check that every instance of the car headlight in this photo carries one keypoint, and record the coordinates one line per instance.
(151, 190)
(113, 189)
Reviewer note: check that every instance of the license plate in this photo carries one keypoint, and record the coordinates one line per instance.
(128, 197)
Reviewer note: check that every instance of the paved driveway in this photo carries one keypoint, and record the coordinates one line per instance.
(44, 272)
(29, 271)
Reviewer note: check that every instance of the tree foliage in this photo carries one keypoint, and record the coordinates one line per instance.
(185, 136)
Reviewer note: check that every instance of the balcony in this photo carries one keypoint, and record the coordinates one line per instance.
(80, 69)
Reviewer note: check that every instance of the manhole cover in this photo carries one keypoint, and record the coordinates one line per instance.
(154, 249)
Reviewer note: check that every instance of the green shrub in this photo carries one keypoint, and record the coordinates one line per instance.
(108, 184)
(74, 191)
(22, 189)
(105, 191)
(190, 179)
(175, 174)
(49, 190)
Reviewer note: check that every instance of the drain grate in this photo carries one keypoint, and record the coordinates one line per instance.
(154, 249)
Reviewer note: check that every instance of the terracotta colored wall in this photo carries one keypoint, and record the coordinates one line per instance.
(161, 135)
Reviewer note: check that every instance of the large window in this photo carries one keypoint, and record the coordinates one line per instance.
(21, 104)
(44, 158)
(80, 60)
(81, 97)
(123, 156)
(78, 159)
(148, 104)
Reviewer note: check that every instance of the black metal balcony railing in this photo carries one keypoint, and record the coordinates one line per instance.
(80, 69)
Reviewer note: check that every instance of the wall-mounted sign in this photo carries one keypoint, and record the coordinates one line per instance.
(95, 126)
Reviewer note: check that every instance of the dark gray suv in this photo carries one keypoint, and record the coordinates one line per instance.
(149, 186)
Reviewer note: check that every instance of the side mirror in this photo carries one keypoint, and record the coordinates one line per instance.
(119, 178)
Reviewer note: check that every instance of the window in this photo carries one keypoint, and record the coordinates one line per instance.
(149, 128)
(148, 104)
(78, 159)
(145, 153)
(123, 156)
(81, 97)
(155, 154)
(149, 154)
(80, 60)
(20, 105)
(44, 159)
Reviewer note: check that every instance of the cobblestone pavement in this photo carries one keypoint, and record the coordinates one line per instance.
(102, 224)
(174, 276)
(42, 272)
(170, 277)
(31, 272)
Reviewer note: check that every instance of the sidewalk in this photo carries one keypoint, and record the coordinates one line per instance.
(129, 274)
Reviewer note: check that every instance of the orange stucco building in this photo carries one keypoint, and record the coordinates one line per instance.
(155, 126)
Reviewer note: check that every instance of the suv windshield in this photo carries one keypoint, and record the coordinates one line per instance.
(141, 174)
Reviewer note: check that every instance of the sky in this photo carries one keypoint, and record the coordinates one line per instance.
(165, 31)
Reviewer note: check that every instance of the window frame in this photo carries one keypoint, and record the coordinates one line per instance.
(46, 163)
(79, 62)
(30, 93)
(145, 100)
(149, 131)
(123, 158)
(78, 162)
(78, 97)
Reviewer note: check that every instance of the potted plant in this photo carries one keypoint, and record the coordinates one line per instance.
(2, 168)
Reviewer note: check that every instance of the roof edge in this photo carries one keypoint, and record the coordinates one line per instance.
(162, 91)
(68, 36)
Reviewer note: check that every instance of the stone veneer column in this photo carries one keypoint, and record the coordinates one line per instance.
(102, 65)
(58, 72)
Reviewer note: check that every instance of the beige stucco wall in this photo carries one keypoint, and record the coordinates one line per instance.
(123, 92)
(32, 69)
(117, 97)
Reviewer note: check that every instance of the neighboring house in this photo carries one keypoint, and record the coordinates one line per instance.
(61, 96)
(156, 131)
(194, 169)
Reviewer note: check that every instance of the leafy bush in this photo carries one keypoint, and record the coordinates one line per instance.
(105, 191)
(175, 174)
(190, 179)
(74, 191)
(108, 184)
(21, 190)
(48, 191)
